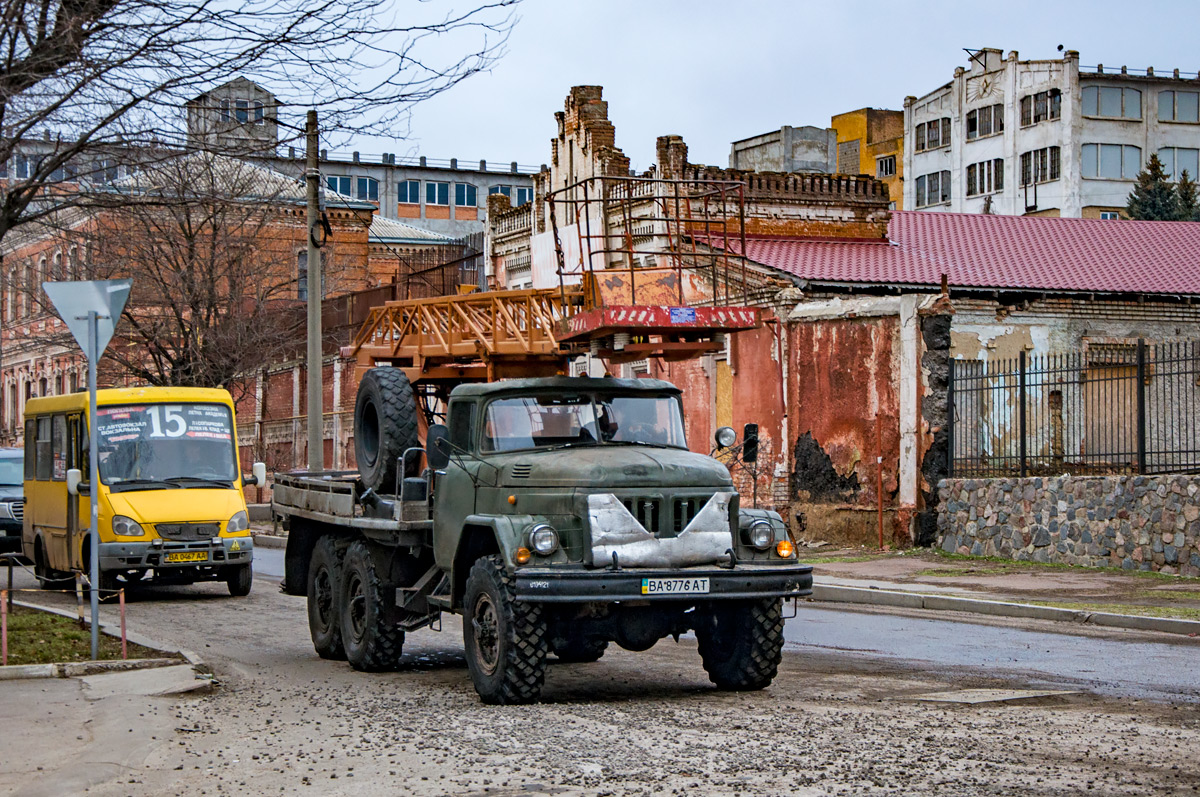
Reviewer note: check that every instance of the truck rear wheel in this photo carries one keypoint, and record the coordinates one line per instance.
(580, 650)
(372, 642)
(741, 643)
(505, 640)
(385, 424)
(324, 587)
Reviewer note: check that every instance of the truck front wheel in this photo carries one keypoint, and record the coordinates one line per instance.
(324, 587)
(741, 643)
(505, 640)
(372, 642)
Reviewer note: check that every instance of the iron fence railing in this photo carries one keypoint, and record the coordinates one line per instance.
(1110, 408)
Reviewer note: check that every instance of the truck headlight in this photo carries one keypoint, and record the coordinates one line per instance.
(760, 534)
(126, 527)
(543, 539)
(239, 522)
(6, 510)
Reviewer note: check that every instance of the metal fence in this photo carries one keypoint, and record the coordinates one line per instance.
(1111, 408)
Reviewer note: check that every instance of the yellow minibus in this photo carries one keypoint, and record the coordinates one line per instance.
(172, 508)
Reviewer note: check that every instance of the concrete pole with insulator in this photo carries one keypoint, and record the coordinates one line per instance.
(312, 176)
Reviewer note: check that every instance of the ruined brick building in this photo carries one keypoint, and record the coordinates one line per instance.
(864, 308)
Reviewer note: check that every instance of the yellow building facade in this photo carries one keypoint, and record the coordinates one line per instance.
(871, 141)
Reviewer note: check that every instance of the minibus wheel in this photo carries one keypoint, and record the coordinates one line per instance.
(239, 578)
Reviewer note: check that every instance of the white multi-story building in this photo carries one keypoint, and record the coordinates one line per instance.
(1045, 137)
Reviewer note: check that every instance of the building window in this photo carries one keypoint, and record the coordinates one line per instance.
(464, 195)
(224, 106)
(1110, 215)
(985, 177)
(985, 122)
(1179, 106)
(437, 193)
(1041, 165)
(367, 188)
(524, 195)
(409, 192)
(259, 116)
(1111, 161)
(501, 189)
(242, 111)
(1177, 160)
(933, 134)
(933, 189)
(885, 166)
(24, 166)
(1040, 107)
(340, 184)
(1112, 102)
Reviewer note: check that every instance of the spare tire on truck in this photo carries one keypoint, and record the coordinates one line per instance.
(385, 424)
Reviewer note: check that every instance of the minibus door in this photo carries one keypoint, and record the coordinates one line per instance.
(75, 443)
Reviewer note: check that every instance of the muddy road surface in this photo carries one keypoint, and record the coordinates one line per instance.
(843, 717)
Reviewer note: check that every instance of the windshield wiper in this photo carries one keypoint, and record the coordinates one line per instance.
(161, 484)
(219, 482)
(575, 444)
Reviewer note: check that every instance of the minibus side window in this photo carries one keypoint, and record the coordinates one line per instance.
(58, 448)
(31, 449)
(44, 462)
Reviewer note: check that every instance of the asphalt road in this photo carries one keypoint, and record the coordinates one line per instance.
(844, 716)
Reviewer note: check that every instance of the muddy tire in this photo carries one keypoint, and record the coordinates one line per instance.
(324, 590)
(505, 640)
(385, 425)
(371, 641)
(741, 643)
(239, 579)
(580, 650)
(48, 578)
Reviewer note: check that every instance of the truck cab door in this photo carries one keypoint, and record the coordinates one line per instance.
(453, 502)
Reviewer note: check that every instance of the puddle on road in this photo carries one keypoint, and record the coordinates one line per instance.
(973, 697)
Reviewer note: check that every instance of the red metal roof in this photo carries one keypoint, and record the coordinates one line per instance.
(1022, 252)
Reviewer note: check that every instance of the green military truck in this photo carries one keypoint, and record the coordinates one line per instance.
(555, 515)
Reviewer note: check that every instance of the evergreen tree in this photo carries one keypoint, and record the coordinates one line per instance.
(1185, 192)
(1153, 198)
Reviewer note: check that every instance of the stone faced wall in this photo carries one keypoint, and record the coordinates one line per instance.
(1131, 522)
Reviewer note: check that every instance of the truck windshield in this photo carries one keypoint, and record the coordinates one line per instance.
(153, 446)
(544, 421)
(12, 471)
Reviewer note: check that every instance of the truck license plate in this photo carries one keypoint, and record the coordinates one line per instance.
(188, 556)
(674, 586)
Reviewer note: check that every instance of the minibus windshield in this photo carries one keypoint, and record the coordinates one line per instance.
(163, 446)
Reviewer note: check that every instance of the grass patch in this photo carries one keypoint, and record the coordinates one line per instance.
(1171, 594)
(1009, 565)
(1172, 612)
(36, 637)
(941, 572)
(816, 560)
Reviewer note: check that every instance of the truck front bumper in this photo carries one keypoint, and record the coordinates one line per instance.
(159, 554)
(581, 585)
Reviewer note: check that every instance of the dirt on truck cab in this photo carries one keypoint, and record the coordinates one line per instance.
(556, 515)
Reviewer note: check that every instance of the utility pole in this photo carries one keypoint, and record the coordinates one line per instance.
(316, 422)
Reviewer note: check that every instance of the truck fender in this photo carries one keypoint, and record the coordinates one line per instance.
(748, 516)
(483, 535)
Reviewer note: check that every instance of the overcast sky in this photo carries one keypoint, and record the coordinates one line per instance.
(714, 72)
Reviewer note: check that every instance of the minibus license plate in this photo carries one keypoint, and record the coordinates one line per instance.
(674, 586)
(188, 556)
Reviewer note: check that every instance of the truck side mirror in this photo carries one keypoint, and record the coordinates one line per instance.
(258, 475)
(750, 442)
(75, 483)
(437, 447)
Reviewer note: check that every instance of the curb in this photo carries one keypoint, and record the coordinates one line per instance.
(269, 541)
(74, 669)
(828, 593)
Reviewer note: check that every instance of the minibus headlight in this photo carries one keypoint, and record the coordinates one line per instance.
(239, 522)
(127, 527)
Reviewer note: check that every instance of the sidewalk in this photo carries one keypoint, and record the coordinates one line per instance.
(928, 580)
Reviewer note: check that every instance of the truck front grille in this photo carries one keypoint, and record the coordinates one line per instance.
(188, 531)
(684, 510)
(18, 509)
(647, 511)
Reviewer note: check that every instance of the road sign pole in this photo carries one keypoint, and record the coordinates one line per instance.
(94, 476)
